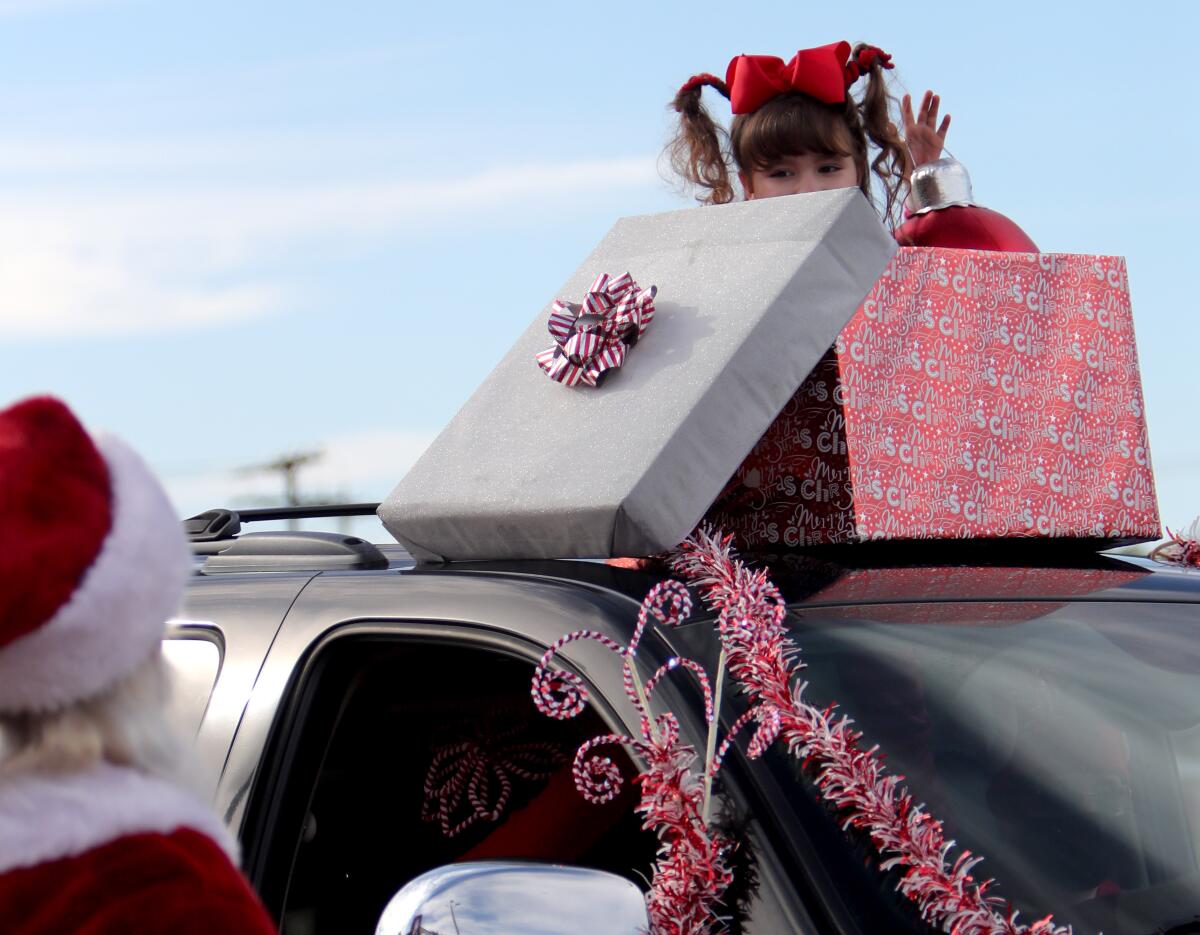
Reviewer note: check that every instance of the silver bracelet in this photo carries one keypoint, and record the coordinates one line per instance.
(942, 183)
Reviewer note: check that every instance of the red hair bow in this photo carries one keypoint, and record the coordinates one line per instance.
(862, 63)
(824, 73)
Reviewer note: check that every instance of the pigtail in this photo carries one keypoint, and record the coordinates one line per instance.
(892, 165)
(697, 152)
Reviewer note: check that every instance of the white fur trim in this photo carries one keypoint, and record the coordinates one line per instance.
(49, 817)
(116, 616)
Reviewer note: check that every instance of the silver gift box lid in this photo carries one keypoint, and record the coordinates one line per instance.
(750, 295)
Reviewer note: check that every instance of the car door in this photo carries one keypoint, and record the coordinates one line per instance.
(366, 676)
(215, 648)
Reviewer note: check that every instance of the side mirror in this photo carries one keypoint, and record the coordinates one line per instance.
(502, 897)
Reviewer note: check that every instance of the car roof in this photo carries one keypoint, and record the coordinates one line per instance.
(859, 576)
(993, 570)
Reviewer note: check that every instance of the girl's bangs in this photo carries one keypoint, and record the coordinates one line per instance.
(787, 126)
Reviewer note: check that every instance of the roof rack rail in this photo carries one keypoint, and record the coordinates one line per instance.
(315, 511)
(218, 535)
(212, 526)
(220, 524)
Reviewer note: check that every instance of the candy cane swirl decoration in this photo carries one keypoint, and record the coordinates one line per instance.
(763, 660)
(472, 780)
(691, 872)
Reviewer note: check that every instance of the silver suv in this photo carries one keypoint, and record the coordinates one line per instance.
(1043, 702)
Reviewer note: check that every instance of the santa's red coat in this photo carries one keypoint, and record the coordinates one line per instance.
(114, 852)
(179, 883)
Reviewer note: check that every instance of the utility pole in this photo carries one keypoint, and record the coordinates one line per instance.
(288, 465)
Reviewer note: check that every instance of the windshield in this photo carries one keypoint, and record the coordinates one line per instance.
(1059, 741)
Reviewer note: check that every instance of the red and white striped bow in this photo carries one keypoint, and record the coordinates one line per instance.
(594, 337)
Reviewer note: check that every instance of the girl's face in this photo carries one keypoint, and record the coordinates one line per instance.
(795, 175)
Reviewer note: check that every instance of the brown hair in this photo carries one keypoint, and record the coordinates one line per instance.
(785, 125)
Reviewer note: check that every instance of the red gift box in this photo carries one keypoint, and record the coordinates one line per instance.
(973, 394)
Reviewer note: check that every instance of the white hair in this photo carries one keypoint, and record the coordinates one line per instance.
(125, 725)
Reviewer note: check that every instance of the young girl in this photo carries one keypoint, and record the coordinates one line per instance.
(797, 128)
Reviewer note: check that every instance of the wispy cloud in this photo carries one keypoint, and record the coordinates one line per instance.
(35, 7)
(136, 258)
(61, 157)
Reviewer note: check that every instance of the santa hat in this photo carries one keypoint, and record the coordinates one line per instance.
(93, 559)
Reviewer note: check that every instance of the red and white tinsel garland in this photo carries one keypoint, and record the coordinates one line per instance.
(692, 871)
(762, 659)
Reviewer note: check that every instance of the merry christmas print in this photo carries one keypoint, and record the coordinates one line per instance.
(973, 394)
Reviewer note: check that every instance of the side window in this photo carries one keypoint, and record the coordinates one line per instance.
(403, 756)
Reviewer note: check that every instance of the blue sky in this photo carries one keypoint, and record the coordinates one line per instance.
(234, 230)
